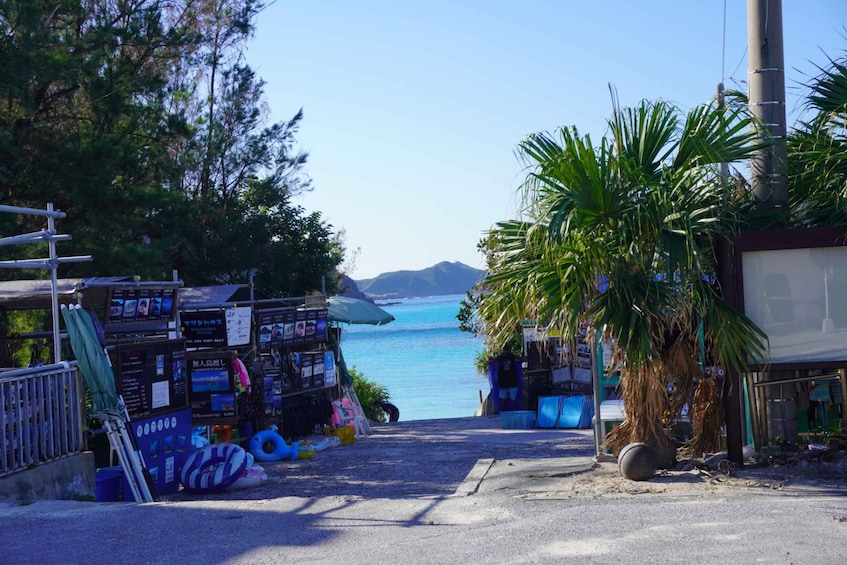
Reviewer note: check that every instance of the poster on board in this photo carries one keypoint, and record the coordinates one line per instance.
(211, 387)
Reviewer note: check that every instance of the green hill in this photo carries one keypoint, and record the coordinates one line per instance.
(438, 280)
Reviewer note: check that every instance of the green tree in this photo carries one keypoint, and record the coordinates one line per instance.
(621, 236)
(817, 151)
(84, 126)
(140, 120)
(371, 396)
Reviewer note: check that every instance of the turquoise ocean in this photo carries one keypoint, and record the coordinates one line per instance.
(422, 358)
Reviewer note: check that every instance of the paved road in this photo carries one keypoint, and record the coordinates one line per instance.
(444, 491)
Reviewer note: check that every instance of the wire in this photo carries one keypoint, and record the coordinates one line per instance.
(723, 43)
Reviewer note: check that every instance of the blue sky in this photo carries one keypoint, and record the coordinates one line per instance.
(413, 110)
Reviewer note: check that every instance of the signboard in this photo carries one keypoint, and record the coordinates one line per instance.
(139, 308)
(204, 328)
(216, 328)
(238, 325)
(211, 387)
(152, 377)
(283, 327)
(165, 442)
(329, 368)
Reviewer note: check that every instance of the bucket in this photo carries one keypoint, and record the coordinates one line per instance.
(108, 484)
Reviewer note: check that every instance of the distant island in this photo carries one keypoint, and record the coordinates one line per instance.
(439, 280)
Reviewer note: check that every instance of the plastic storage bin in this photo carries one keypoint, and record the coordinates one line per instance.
(347, 434)
(517, 420)
(108, 484)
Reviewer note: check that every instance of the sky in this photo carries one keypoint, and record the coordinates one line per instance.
(413, 110)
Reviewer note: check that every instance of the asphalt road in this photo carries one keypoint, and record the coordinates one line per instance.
(443, 492)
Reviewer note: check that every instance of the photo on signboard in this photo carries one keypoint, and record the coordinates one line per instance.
(265, 334)
(223, 402)
(142, 307)
(116, 308)
(288, 332)
(155, 306)
(167, 305)
(320, 328)
(129, 308)
(268, 389)
(213, 379)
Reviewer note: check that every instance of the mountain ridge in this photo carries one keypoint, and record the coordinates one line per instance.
(441, 279)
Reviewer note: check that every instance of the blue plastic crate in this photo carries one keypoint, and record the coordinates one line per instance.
(517, 420)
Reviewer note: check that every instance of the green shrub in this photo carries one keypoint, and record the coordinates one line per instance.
(370, 394)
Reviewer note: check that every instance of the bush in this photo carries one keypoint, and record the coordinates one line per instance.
(370, 394)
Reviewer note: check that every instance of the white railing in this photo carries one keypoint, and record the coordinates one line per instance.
(40, 415)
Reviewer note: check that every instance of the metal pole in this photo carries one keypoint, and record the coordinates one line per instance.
(54, 286)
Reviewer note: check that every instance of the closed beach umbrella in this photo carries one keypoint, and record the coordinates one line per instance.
(97, 373)
(93, 364)
(355, 311)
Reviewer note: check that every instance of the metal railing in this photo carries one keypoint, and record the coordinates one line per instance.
(41, 415)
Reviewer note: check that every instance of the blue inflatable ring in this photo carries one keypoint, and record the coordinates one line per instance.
(213, 468)
(278, 448)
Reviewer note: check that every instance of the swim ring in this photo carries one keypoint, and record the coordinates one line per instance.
(252, 476)
(213, 468)
(268, 445)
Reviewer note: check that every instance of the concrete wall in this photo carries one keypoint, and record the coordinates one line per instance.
(67, 478)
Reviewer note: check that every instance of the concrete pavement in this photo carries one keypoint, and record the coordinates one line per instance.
(444, 491)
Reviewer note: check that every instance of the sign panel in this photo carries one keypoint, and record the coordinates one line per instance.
(140, 308)
(211, 387)
(165, 442)
(204, 328)
(283, 327)
(152, 377)
(238, 325)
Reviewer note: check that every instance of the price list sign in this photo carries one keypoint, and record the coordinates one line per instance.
(152, 377)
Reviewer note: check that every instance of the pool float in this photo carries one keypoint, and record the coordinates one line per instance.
(268, 445)
(305, 451)
(324, 442)
(213, 468)
(252, 476)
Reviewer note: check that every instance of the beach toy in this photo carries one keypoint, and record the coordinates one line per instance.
(305, 451)
(213, 468)
(252, 476)
(324, 442)
(268, 445)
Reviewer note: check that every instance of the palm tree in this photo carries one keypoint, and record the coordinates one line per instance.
(817, 152)
(621, 236)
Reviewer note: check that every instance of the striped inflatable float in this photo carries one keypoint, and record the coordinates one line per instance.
(213, 468)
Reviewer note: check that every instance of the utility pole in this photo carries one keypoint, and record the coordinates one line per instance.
(766, 84)
(766, 91)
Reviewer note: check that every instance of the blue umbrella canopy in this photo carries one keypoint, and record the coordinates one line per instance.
(355, 311)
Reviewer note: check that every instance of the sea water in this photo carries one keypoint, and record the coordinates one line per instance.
(424, 360)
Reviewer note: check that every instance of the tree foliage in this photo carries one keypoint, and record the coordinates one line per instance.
(620, 235)
(141, 120)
